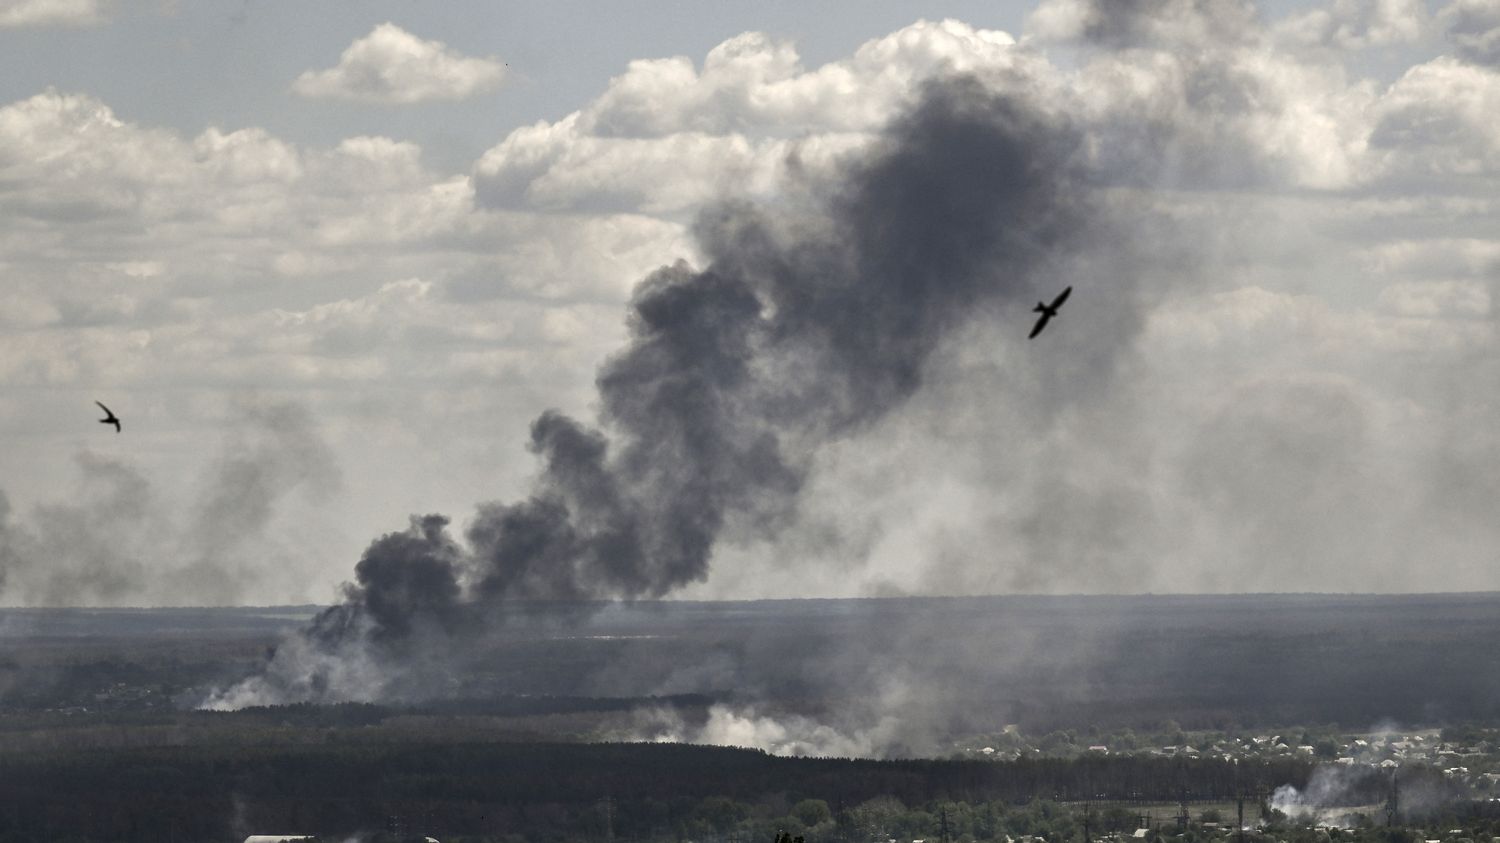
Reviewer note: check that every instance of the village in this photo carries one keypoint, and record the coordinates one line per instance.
(1469, 757)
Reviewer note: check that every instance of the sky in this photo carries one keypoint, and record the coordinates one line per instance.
(328, 262)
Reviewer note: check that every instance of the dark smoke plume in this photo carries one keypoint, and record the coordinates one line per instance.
(809, 322)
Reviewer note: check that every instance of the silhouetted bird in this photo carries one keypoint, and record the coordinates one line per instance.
(1048, 311)
(109, 417)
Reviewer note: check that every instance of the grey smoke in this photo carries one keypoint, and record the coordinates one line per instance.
(118, 541)
(808, 324)
(788, 338)
(85, 551)
(270, 452)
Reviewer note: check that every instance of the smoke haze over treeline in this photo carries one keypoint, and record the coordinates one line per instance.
(862, 321)
(1277, 372)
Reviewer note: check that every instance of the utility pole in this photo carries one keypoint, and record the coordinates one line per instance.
(1393, 803)
(944, 819)
(1240, 813)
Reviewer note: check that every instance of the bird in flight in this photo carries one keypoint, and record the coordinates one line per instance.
(109, 417)
(1048, 311)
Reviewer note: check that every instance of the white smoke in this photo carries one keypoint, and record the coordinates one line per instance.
(304, 670)
(789, 735)
(1326, 799)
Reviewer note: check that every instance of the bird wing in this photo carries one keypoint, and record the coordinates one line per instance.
(105, 409)
(1062, 297)
(1040, 324)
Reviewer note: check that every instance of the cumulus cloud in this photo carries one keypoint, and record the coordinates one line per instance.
(755, 82)
(1438, 119)
(667, 136)
(390, 65)
(1357, 24)
(39, 13)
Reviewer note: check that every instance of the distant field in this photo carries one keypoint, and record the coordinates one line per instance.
(970, 663)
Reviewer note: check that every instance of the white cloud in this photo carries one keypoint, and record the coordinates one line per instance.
(667, 137)
(1235, 116)
(1357, 24)
(1439, 119)
(1430, 318)
(29, 13)
(1198, 92)
(752, 83)
(1429, 299)
(557, 167)
(1437, 258)
(390, 65)
(131, 254)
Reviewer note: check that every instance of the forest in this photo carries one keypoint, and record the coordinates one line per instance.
(556, 792)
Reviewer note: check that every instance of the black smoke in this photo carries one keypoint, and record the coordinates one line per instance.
(810, 321)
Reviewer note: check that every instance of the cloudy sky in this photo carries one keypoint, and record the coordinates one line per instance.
(327, 262)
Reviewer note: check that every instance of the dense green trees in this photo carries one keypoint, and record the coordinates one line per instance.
(562, 792)
(651, 793)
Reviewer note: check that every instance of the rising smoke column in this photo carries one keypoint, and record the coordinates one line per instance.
(808, 323)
